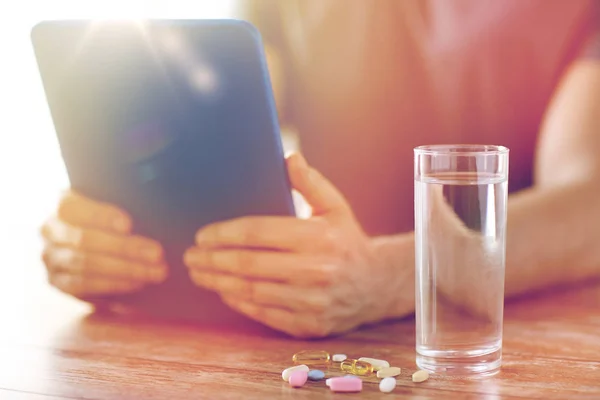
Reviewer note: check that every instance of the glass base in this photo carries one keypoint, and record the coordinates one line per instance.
(480, 365)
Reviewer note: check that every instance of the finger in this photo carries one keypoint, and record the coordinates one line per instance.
(75, 262)
(319, 192)
(276, 233)
(82, 211)
(292, 323)
(299, 269)
(296, 298)
(92, 240)
(81, 286)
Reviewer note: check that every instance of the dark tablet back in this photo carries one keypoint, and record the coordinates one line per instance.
(172, 120)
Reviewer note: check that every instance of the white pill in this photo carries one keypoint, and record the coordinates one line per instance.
(387, 372)
(377, 364)
(339, 357)
(288, 372)
(387, 384)
(420, 376)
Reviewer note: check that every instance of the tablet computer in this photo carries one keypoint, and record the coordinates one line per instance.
(175, 122)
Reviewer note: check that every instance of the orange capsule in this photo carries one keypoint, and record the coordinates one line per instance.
(357, 367)
(311, 357)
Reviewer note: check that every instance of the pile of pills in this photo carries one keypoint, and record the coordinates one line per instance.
(307, 361)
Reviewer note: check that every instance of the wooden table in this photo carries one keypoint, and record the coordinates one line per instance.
(52, 347)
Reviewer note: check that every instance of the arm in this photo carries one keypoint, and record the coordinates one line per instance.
(553, 228)
(323, 275)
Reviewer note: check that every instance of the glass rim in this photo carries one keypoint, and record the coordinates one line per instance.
(462, 149)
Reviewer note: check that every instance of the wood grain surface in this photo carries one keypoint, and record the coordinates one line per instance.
(53, 347)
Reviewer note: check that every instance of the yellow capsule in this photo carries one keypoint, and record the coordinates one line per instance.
(357, 367)
(311, 357)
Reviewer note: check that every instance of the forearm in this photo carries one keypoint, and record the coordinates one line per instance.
(553, 228)
(553, 237)
(395, 260)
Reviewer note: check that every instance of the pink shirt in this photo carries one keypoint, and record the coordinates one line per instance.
(367, 81)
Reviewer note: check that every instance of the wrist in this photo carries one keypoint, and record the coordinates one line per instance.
(394, 264)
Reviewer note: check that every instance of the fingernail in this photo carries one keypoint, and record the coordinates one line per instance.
(150, 253)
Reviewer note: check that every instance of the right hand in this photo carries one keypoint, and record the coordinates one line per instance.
(90, 252)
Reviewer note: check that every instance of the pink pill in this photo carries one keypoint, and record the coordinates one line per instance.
(345, 384)
(298, 378)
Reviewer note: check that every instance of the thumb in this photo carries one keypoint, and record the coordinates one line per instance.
(319, 192)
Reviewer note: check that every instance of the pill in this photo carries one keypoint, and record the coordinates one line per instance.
(298, 378)
(316, 375)
(328, 380)
(339, 357)
(377, 364)
(420, 376)
(387, 384)
(345, 384)
(288, 372)
(311, 357)
(387, 372)
(357, 367)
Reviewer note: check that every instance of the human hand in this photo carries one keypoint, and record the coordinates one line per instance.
(469, 272)
(306, 277)
(90, 252)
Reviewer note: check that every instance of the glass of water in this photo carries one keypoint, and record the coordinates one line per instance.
(460, 247)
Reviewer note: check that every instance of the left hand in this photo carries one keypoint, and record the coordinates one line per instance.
(306, 277)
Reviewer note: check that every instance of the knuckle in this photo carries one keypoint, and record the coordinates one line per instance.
(330, 272)
(321, 305)
(331, 240)
(244, 259)
(250, 231)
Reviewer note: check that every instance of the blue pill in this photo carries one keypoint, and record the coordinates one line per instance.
(316, 375)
